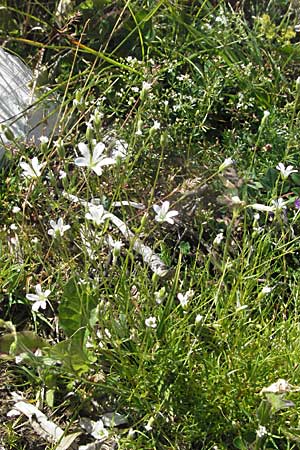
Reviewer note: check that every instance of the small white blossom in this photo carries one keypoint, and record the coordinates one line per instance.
(146, 86)
(97, 214)
(163, 214)
(139, 131)
(266, 290)
(160, 295)
(95, 159)
(58, 228)
(148, 426)
(226, 163)
(32, 170)
(218, 239)
(62, 174)
(16, 209)
(236, 200)
(151, 322)
(261, 431)
(156, 125)
(115, 245)
(39, 299)
(198, 319)
(44, 139)
(285, 171)
(276, 205)
(185, 298)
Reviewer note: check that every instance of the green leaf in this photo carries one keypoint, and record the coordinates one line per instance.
(13, 344)
(269, 179)
(278, 402)
(263, 412)
(239, 443)
(75, 309)
(71, 354)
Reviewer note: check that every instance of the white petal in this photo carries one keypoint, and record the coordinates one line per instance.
(32, 297)
(97, 169)
(107, 161)
(81, 162)
(38, 289)
(84, 150)
(98, 150)
(172, 213)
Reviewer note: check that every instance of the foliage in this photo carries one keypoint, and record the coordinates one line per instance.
(196, 104)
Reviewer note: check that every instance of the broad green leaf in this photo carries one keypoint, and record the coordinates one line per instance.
(71, 354)
(75, 309)
(13, 344)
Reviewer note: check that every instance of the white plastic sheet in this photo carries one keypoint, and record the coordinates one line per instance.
(18, 109)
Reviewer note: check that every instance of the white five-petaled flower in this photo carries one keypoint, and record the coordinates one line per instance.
(163, 214)
(39, 299)
(285, 172)
(32, 170)
(58, 228)
(185, 298)
(95, 159)
(151, 322)
(97, 214)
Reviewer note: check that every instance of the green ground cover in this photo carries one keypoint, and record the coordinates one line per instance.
(149, 258)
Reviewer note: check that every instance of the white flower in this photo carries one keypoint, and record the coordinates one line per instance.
(44, 139)
(266, 290)
(185, 298)
(58, 228)
(151, 322)
(160, 295)
(95, 160)
(226, 163)
(39, 299)
(139, 131)
(285, 171)
(97, 214)
(62, 174)
(277, 205)
(156, 125)
(146, 86)
(32, 170)
(218, 239)
(163, 214)
(236, 200)
(115, 245)
(261, 431)
(198, 319)
(16, 209)
(148, 426)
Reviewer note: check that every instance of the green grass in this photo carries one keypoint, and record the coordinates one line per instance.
(194, 380)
